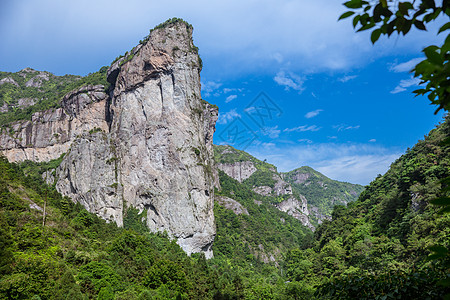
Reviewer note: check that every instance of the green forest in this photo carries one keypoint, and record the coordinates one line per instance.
(392, 242)
(378, 247)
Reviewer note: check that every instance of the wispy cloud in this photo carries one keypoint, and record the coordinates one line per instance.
(230, 98)
(289, 81)
(302, 128)
(272, 132)
(406, 66)
(347, 78)
(405, 83)
(356, 163)
(308, 141)
(313, 113)
(372, 140)
(210, 87)
(342, 127)
(226, 117)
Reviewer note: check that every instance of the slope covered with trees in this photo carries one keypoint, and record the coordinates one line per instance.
(321, 191)
(28, 91)
(379, 245)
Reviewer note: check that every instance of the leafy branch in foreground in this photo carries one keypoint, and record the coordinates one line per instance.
(388, 16)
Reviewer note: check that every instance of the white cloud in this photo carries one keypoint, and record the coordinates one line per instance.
(347, 78)
(230, 98)
(405, 83)
(313, 113)
(226, 117)
(355, 163)
(303, 128)
(227, 90)
(289, 81)
(272, 132)
(305, 141)
(342, 127)
(48, 34)
(406, 66)
(210, 87)
(278, 57)
(372, 140)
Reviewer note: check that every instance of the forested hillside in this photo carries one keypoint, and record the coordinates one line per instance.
(375, 248)
(303, 193)
(28, 91)
(379, 245)
(321, 191)
(73, 254)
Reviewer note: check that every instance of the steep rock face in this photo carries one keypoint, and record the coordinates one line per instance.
(162, 133)
(232, 205)
(298, 208)
(240, 170)
(50, 133)
(147, 145)
(88, 175)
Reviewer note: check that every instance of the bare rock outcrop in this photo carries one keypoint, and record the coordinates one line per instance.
(8, 80)
(50, 133)
(240, 170)
(147, 144)
(297, 209)
(232, 205)
(37, 80)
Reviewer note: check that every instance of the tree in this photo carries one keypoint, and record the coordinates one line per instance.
(384, 17)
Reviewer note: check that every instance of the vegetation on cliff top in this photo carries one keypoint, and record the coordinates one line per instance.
(46, 95)
(321, 191)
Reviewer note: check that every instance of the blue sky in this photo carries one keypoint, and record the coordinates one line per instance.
(332, 100)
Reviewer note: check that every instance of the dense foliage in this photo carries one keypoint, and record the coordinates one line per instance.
(76, 255)
(379, 245)
(46, 94)
(321, 191)
(385, 17)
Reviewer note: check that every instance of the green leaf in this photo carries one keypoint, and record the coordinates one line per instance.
(406, 27)
(432, 55)
(438, 249)
(419, 25)
(354, 4)
(375, 35)
(444, 27)
(403, 7)
(441, 201)
(356, 20)
(346, 15)
(365, 27)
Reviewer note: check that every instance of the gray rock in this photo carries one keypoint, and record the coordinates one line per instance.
(4, 107)
(26, 102)
(238, 170)
(48, 177)
(263, 190)
(37, 80)
(8, 80)
(87, 174)
(162, 132)
(297, 209)
(147, 145)
(232, 205)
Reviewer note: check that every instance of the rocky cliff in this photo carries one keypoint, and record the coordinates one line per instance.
(304, 193)
(147, 144)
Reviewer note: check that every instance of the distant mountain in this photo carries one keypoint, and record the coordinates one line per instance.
(304, 193)
(321, 191)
